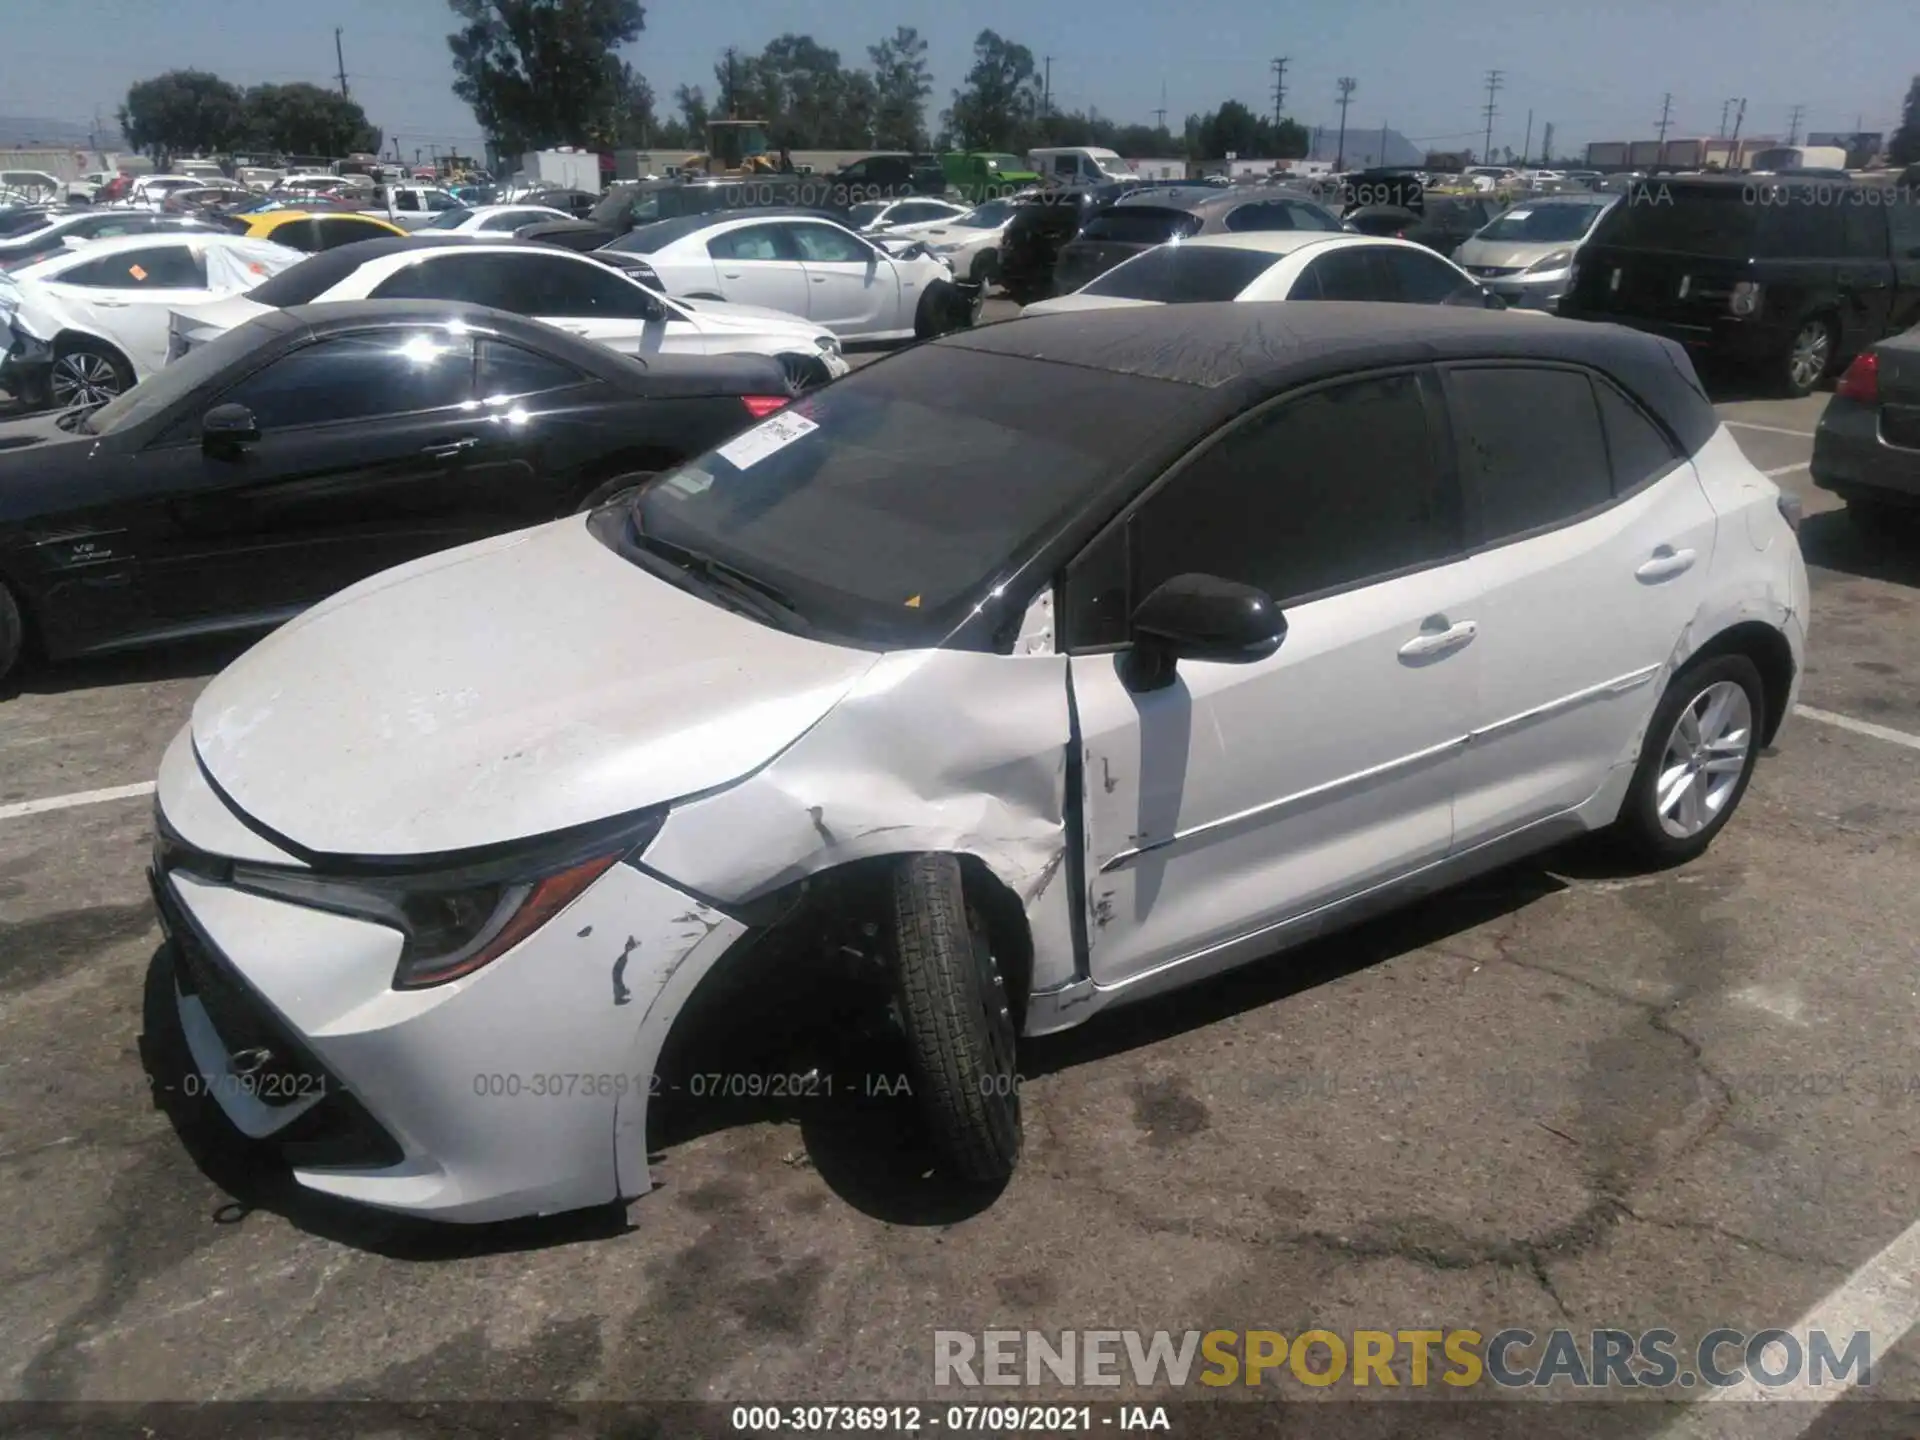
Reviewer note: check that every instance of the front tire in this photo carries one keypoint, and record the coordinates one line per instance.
(942, 309)
(1695, 762)
(958, 1019)
(87, 372)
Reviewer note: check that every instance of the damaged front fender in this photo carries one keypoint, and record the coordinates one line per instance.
(942, 750)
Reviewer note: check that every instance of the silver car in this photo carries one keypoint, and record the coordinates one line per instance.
(1525, 255)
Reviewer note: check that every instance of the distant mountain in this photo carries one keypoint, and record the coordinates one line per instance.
(33, 133)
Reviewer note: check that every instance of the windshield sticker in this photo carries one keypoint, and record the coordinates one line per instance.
(1518, 214)
(766, 438)
(688, 482)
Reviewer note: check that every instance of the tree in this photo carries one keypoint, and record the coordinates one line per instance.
(1000, 98)
(691, 102)
(1235, 129)
(303, 119)
(546, 72)
(1904, 149)
(624, 118)
(181, 111)
(902, 82)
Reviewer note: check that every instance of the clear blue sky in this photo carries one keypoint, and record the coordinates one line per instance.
(1596, 68)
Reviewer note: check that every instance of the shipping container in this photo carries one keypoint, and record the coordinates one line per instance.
(1607, 154)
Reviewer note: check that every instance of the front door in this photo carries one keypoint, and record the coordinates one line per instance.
(1242, 796)
(852, 288)
(363, 441)
(759, 265)
(1570, 533)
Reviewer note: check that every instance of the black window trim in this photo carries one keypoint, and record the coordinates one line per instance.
(1446, 465)
(1476, 519)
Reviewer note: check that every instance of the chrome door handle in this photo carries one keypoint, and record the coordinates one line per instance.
(450, 447)
(1437, 642)
(1665, 564)
(819, 279)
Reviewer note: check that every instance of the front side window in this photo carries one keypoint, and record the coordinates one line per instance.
(359, 377)
(1421, 278)
(508, 372)
(1335, 488)
(1640, 451)
(824, 245)
(162, 267)
(750, 242)
(1530, 445)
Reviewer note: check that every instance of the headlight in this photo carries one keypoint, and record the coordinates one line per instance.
(455, 921)
(1558, 260)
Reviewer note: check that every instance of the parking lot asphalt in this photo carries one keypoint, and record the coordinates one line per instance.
(1564, 1096)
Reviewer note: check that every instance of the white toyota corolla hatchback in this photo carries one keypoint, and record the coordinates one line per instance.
(1047, 666)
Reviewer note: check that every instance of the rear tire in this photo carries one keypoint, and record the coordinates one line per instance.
(959, 1022)
(1808, 358)
(13, 632)
(1712, 715)
(87, 372)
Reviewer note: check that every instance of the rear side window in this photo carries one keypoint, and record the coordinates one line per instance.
(1866, 232)
(1140, 225)
(1715, 220)
(1530, 445)
(358, 377)
(508, 371)
(1803, 225)
(1638, 449)
(164, 267)
(1420, 277)
(1352, 272)
(1903, 220)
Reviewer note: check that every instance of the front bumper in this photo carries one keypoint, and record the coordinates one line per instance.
(520, 1089)
(1526, 293)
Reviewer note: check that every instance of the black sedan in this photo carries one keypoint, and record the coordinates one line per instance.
(1866, 448)
(317, 445)
(1443, 222)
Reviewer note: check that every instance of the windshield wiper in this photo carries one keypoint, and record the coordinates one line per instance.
(767, 601)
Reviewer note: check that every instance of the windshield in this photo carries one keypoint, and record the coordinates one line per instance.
(988, 216)
(1140, 225)
(888, 503)
(1715, 220)
(621, 205)
(1184, 274)
(449, 219)
(175, 381)
(1542, 223)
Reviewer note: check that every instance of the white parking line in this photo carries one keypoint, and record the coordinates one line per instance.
(1859, 727)
(1770, 429)
(1780, 470)
(68, 802)
(1880, 1298)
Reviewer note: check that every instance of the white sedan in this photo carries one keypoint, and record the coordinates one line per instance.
(804, 265)
(577, 294)
(87, 324)
(911, 214)
(490, 219)
(1277, 265)
(971, 242)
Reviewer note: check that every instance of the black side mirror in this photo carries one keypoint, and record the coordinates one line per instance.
(226, 427)
(1200, 617)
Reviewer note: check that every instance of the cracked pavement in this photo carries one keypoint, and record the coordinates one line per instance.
(1561, 1096)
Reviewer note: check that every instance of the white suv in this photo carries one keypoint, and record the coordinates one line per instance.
(1031, 670)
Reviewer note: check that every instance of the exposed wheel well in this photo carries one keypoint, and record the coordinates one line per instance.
(624, 463)
(1771, 656)
(72, 339)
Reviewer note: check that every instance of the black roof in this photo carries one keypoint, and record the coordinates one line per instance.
(1241, 353)
(314, 276)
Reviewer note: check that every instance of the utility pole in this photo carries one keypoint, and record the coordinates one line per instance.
(1279, 88)
(1739, 116)
(1493, 89)
(1347, 86)
(1793, 125)
(1724, 108)
(1160, 115)
(1527, 148)
(1546, 144)
(1666, 116)
(340, 56)
(1046, 90)
(1383, 142)
(732, 93)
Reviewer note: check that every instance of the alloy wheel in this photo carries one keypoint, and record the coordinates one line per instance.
(1705, 756)
(801, 373)
(1812, 351)
(83, 378)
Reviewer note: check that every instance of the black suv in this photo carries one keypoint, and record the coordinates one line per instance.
(1786, 277)
(1042, 226)
(888, 177)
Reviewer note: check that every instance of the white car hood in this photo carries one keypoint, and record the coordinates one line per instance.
(1062, 303)
(507, 689)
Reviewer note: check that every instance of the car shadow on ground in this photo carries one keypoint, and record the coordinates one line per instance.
(830, 1065)
(182, 660)
(1885, 547)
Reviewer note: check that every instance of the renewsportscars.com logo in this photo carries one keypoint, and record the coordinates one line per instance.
(1461, 1359)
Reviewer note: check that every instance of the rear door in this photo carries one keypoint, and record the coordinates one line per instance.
(363, 440)
(1903, 225)
(852, 288)
(1594, 542)
(760, 265)
(126, 298)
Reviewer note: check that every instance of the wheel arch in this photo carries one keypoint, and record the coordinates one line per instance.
(67, 337)
(1771, 655)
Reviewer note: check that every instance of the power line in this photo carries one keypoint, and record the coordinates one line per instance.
(1347, 86)
(1493, 89)
(1279, 88)
(340, 57)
